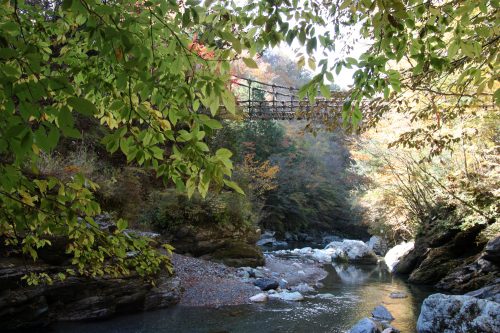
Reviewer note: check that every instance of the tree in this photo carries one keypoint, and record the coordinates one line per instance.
(154, 73)
(153, 86)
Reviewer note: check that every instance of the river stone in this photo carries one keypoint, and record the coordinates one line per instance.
(394, 255)
(398, 294)
(294, 296)
(303, 288)
(262, 297)
(266, 241)
(458, 314)
(266, 284)
(354, 251)
(381, 312)
(365, 325)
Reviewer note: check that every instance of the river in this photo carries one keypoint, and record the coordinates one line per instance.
(348, 294)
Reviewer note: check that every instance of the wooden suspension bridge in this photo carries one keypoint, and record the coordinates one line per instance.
(274, 102)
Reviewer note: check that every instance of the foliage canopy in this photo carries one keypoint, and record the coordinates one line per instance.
(154, 74)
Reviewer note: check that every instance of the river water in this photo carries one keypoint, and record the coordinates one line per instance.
(349, 294)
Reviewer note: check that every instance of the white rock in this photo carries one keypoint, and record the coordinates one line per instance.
(305, 250)
(456, 313)
(303, 288)
(262, 297)
(352, 250)
(287, 296)
(322, 256)
(395, 254)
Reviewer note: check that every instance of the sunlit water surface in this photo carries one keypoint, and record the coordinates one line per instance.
(354, 292)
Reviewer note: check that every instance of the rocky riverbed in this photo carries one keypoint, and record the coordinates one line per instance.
(206, 283)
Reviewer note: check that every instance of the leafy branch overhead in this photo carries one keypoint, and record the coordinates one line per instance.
(153, 74)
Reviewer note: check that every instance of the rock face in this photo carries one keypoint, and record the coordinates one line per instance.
(394, 255)
(453, 260)
(76, 298)
(492, 250)
(231, 245)
(468, 275)
(458, 314)
(490, 293)
(353, 251)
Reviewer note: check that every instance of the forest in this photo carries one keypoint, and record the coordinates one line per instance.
(249, 166)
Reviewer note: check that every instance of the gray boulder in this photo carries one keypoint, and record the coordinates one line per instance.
(266, 284)
(365, 325)
(458, 314)
(381, 313)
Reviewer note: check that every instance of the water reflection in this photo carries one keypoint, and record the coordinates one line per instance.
(351, 274)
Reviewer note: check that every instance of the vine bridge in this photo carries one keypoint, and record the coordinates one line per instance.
(274, 102)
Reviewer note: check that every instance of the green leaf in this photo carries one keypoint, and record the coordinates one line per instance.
(250, 63)
(223, 153)
(83, 106)
(121, 224)
(234, 186)
(213, 124)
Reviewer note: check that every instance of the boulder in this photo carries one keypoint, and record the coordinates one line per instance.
(322, 256)
(353, 251)
(377, 245)
(266, 284)
(381, 313)
(294, 296)
(394, 255)
(266, 241)
(233, 245)
(259, 298)
(237, 254)
(458, 314)
(365, 325)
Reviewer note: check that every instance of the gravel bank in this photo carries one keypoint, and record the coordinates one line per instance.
(211, 284)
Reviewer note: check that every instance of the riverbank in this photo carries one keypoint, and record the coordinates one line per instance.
(210, 284)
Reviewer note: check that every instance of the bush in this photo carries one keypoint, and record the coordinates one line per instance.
(167, 210)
